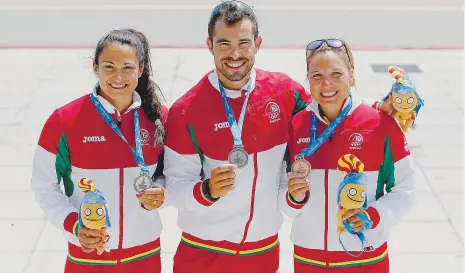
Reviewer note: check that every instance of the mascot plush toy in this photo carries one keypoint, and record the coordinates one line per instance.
(405, 98)
(352, 195)
(93, 213)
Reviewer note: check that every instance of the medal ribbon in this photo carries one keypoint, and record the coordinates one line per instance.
(316, 143)
(138, 154)
(236, 127)
(360, 235)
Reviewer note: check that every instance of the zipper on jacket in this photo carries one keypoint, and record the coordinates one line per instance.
(118, 117)
(326, 213)
(252, 198)
(121, 220)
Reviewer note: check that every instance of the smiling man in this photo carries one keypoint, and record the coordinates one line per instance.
(226, 140)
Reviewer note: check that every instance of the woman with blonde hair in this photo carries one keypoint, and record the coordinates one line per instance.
(335, 124)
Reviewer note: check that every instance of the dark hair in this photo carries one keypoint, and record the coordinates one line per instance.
(146, 87)
(232, 12)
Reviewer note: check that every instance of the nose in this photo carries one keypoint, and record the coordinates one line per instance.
(118, 76)
(234, 52)
(326, 82)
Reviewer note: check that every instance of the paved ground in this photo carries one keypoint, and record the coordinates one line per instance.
(34, 82)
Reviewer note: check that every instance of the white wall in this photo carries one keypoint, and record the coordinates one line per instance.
(436, 23)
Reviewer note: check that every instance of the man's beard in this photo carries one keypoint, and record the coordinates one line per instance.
(234, 76)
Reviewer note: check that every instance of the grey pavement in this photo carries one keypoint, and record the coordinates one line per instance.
(34, 82)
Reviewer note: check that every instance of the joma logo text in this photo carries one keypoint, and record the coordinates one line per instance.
(94, 139)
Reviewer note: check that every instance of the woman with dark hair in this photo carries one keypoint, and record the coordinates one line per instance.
(114, 137)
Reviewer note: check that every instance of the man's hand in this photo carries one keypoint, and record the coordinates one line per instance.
(222, 180)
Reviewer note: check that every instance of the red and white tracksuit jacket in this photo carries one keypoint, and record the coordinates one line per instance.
(377, 140)
(246, 221)
(76, 143)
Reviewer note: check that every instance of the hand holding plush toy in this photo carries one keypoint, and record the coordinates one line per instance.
(352, 195)
(93, 212)
(405, 98)
(352, 190)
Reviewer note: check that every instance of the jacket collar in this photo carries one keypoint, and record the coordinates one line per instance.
(213, 78)
(313, 105)
(136, 102)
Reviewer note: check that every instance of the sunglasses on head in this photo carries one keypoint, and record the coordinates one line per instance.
(333, 43)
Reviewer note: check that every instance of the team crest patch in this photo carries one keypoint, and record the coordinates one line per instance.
(355, 141)
(145, 136)
(273, 111)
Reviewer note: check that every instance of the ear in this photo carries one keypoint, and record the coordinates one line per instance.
(95, 66)
(351, 77)
(209, 45)
(258, 44)
(141, 71)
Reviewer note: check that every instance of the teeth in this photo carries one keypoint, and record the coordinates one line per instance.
(117, 86)
(329, 94)
(235, 65)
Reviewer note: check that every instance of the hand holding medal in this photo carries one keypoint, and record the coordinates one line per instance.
(222, 180)
(151, 198)
(297, 186)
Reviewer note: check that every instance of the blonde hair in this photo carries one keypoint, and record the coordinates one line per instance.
(344, 51)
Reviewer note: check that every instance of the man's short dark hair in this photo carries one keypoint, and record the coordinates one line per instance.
(232, 12)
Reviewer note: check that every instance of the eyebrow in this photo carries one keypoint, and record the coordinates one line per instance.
(222, 40)
(334, 70)
(113, 63)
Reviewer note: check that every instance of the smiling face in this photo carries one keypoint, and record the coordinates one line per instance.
(234, 48)
(93, 216)
(118, 70)
(330, 79)
(353, 196)
(404, 102)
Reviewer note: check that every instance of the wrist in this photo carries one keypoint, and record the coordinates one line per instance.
(206, 191)
(373, 216)
(294, 204)
(300, 200)
(71, 223)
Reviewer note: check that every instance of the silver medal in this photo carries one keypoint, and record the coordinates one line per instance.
(142, 182)
(238, 156)
(301, 166)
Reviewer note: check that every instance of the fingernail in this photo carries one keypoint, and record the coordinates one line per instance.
(138, 195)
